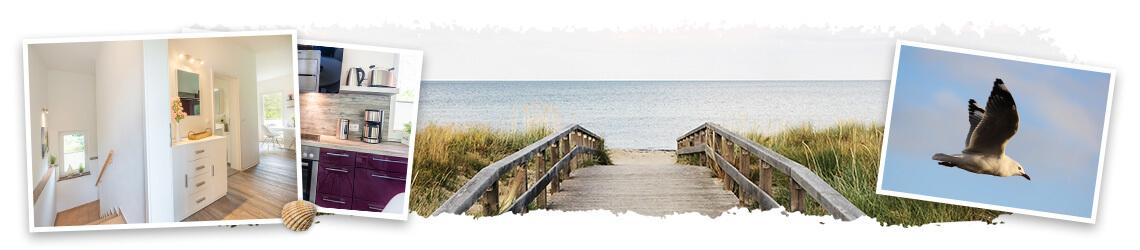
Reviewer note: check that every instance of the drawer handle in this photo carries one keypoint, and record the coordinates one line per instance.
(200, 200)
(376, 208)
(383, 160)
(186, 179)
(333, 201)
(390, 178)
(200, 151)
(200, 184)
(199, 167)
(337, 169)
(341, 155)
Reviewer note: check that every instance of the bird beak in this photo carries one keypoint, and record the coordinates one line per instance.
(1026, 176)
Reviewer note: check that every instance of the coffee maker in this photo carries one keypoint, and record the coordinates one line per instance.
(373, 119)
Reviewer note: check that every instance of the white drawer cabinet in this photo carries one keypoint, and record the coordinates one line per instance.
(199, 174)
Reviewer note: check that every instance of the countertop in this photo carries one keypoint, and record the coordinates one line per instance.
(383, 148)
(186, 141)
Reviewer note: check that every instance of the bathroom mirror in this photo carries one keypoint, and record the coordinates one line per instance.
(189, 93)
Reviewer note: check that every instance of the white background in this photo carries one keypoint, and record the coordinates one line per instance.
(1088, 32)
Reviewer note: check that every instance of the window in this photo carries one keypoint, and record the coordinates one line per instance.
(74, 153)
(271, 109)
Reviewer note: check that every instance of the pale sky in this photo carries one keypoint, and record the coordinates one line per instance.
(745, 52)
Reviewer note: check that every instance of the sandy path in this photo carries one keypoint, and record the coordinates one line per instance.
(642, 157)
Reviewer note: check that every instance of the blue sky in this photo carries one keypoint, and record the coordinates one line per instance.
(1062, 114)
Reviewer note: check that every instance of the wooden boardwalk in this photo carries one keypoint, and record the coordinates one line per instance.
(655, 190)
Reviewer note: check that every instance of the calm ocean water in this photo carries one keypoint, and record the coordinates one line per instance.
(652, 114)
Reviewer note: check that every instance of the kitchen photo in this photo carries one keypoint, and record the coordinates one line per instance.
(147, 131)
(358, 105)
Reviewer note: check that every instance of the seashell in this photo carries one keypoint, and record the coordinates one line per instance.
(298, 215)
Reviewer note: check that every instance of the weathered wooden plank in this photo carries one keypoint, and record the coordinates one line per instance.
(519, 205)
(796, 201)
(472, 190)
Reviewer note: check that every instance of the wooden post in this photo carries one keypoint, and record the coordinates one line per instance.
(795, 196)
(555, 155)
(519, 184)
(729, 156)
(765, 177)
(491, 200)
(541, 200)
(742, 159)
(573, 158)
(565, 147)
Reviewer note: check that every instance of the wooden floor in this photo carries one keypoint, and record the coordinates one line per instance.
(655, 190)
(258, 192)
(80, 215)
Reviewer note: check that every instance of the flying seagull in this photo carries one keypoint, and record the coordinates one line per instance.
(990, 130)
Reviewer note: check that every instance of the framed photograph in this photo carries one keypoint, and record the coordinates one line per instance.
(996, 131)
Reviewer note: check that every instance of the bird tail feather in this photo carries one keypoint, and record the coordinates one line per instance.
(945, 157)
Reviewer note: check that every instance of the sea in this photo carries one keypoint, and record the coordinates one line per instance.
(652, 114)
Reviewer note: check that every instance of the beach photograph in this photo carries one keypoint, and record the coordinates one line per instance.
(995, 131)
(666, 137)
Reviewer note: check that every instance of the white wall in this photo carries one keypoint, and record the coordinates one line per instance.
(119, 108)
(156, 105)
(223, 56)
(71, 102)
(43, 208)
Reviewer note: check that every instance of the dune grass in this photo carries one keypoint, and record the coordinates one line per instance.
(448, 155)
(846, 156)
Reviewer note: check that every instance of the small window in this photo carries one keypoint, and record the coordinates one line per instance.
(271, 109)
(74, 153)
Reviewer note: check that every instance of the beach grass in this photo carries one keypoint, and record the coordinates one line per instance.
(448, 155)
(846, 156)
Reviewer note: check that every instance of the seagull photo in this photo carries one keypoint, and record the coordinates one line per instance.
(1056, 131)
(990, 130)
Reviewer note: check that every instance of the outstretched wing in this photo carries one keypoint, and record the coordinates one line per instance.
(976, 113)
(999, 123)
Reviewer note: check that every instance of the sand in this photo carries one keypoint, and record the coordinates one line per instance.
(642, 157)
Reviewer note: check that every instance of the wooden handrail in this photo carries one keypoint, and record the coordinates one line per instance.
(486, 180)
(40, 185)
(105, 163)
(698, 140)
(520, 204)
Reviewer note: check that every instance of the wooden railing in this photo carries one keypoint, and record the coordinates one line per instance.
(563, 149)
(729, 155)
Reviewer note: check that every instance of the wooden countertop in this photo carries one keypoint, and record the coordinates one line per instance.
(383, 148)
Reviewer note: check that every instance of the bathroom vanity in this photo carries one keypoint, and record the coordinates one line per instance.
(199, 174)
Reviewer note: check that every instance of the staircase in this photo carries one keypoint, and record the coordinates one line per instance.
(88, 214)
(114, 216)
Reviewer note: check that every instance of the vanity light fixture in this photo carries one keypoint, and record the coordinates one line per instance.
(191, 58)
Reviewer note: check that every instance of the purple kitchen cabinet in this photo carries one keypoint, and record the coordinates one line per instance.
(370, 206)
(334, 201)
(382, 162)
(334, 179)
(377, 186)
(337, 157)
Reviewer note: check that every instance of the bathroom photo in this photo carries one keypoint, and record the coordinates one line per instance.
(128, 132)
(359, 109)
